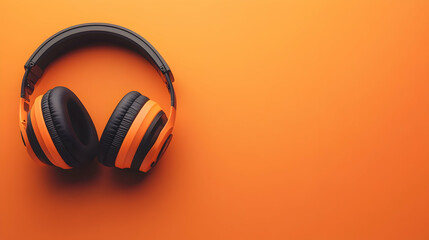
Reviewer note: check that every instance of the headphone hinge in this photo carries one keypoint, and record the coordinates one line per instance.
(34, 73)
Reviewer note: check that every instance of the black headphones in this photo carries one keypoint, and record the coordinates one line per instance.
(57, 129)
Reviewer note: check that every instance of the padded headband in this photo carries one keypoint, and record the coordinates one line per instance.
(86, 34)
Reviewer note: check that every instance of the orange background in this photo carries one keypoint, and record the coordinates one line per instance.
(296, 120)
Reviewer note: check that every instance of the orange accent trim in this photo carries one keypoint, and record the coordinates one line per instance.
(135, 134)
(31, 152)
(23, 113)
(43, 135)
(156, 148)
(23, 129)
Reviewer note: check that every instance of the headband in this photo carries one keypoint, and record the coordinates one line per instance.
(85, 34)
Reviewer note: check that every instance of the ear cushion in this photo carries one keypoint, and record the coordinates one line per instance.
(70, 126)
(118, 125)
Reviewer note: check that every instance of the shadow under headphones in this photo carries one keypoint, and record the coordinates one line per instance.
(57, 129)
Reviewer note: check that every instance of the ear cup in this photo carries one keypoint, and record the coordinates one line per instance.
(131, 131)
(118, 126)
(69, 126)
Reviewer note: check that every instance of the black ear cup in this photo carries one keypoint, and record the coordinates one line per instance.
(70, 126)
(118, 126)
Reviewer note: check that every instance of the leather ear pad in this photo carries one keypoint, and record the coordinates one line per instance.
(70, 126)
(118, 125)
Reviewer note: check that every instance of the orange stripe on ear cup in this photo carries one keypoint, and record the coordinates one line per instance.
(28, 146)
(23, 125)
(37, 131)
(157, 146)
(31, 151)
(135, 134)
(43, 135)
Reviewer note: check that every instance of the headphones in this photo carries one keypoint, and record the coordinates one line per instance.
(57, 129)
